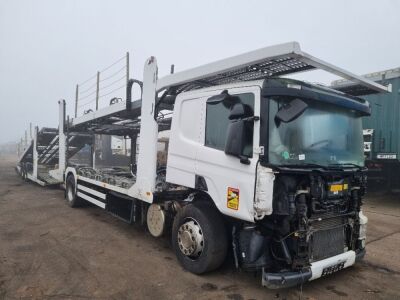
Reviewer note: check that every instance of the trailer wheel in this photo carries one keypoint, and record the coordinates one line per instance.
(70, 192)
(199, 238)
(24, 174)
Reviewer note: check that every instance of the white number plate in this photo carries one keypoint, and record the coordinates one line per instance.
(332, 269)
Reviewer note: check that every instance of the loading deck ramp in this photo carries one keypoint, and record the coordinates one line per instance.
(42, 155)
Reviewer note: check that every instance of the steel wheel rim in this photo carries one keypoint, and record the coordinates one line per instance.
(191, 239)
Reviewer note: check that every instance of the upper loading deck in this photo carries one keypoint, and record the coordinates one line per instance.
(272, 61)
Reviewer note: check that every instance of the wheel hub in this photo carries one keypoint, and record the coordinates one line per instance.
(156, 220)
(190, 239)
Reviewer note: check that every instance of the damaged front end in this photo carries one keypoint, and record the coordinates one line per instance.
(316, 227)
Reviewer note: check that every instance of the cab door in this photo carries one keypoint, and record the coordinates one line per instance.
(230, 181)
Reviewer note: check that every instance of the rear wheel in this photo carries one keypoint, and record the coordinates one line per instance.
(24, 174)
(70, 192)
(199, 238)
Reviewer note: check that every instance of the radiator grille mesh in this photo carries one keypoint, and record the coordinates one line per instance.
(328, 239)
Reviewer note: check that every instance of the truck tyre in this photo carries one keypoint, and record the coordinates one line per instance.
(199, 238)
(24, 174)
(70, 192)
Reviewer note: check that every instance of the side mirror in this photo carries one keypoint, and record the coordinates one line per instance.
(240, 134)
(226, 99)
(290, 111)
(240, 111)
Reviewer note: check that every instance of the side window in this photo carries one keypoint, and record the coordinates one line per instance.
(217, 123)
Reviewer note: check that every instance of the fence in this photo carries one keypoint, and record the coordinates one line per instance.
(109, 83)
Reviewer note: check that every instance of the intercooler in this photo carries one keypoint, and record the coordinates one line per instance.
(327, 238)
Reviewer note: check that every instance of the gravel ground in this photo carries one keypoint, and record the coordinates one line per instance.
(48, 250)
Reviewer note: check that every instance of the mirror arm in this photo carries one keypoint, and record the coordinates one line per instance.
(244, 160)
(253, 118)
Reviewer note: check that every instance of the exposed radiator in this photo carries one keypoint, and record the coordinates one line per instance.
(328, 238)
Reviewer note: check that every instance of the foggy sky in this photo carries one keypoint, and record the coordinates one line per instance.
(46, 47)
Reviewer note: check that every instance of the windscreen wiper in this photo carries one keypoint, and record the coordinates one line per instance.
(306, 165)
(347, 164)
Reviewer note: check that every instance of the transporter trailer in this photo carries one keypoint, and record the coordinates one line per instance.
(43, 159)
(269, 168)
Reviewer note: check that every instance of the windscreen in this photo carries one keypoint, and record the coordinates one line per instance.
(323, 134)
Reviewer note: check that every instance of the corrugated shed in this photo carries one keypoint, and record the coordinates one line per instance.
(385, 119)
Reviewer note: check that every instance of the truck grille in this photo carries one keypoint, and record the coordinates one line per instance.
(328, 238)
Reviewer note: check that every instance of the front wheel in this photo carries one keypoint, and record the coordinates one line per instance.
(199, 238)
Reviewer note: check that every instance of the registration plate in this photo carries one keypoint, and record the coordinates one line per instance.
(332, 269)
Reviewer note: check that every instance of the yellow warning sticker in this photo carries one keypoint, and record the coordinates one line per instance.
(339, 187)
(232, 198)
(336, 188)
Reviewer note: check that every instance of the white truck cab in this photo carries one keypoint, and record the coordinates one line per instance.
(284, 160)
(197, 157)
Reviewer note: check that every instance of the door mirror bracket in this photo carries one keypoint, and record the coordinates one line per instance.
(244, 160)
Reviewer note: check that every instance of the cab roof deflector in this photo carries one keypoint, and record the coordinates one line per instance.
(278, 60)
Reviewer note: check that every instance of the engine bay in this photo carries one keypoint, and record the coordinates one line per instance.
(315, 216)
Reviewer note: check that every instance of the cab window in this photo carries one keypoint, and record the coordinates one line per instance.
(217, 122)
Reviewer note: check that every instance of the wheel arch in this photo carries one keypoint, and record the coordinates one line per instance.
(70, 172)
(200, 197)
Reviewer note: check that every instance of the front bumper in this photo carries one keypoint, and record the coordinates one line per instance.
(316, 270)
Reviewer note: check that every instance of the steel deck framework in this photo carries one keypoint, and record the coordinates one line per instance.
(349, 87)
(266, 62)
(40, 156)
(273, 61)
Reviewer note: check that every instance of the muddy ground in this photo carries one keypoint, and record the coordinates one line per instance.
(48, 250)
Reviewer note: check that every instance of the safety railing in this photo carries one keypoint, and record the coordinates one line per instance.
(109, 84)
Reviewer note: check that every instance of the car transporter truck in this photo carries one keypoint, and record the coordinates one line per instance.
(268, 168)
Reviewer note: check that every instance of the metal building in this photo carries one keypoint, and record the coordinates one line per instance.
(382, 128)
